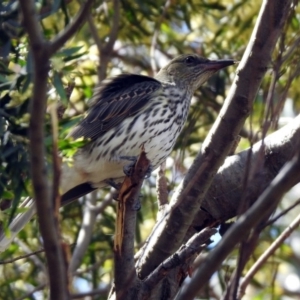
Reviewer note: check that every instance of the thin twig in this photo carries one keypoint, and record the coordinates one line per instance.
(88, 221)
(107, 49)
(269, 110)
(55, 160)
(29, 294)
(71, 29)
(155, 35)
(245, 251)
(161, 190)
(94, 31)
(93, 27)
(291, 49)
(85, 233)
(8, 261)
(284, 212)
(113, 34)
(194, 246)
(98, 292)
(108, 199)
(270, 251)
(93, 267)
(34, 258)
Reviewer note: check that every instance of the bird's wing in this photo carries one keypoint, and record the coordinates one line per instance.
(123, 96)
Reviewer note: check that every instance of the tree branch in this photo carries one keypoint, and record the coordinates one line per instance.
(189, 196)
(41, 52)
(223, 199)
(30, 22)
(178, 259)
(263, 258)
(87, 226)
(30, 294)
(126, 281)
(97, 292)
(162, 190)
(282, 213)
(71, 29)
(267, 202)
(107, 50)
(168, 3)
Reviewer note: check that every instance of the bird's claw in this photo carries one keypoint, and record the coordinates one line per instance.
(128, 170)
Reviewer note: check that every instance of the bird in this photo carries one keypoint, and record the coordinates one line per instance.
(128, 112)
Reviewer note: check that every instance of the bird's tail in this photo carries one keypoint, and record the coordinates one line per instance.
(17, 224)
(20, 220)
(72, 186)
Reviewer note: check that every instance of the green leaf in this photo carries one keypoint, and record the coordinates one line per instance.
(60, 88)
(69, 51)
(71, 57)
(7, 195)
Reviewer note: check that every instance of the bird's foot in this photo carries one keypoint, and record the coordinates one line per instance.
(128, 169)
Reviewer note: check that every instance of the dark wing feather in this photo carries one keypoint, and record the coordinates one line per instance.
(123, 96)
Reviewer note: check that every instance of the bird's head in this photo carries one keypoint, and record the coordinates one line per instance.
(191, 70)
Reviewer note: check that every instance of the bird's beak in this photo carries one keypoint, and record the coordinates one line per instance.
(218, 64)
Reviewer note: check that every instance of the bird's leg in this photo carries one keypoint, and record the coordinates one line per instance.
(127, 169)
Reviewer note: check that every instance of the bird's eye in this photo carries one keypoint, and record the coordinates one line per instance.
(190, 59)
